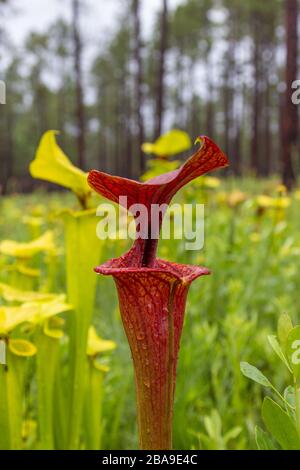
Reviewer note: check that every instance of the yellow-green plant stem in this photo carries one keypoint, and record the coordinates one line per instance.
(52, 271)
(82, 255)
(60, 405)
(93, 408)
(11, 402)
(297, 405)
(47, 355)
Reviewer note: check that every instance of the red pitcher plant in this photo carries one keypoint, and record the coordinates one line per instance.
(152, 292)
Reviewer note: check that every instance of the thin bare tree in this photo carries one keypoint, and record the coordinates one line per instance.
(160, 91)
(290, 110)
(80, 110)
(139, 96)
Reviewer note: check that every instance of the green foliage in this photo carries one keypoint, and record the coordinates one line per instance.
(282, 422)
(214, 439)
(253, 253)
(263, 441)
(280, 425)
(254, 374)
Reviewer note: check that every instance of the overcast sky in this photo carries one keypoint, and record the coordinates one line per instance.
(99, 17)
(98, 22)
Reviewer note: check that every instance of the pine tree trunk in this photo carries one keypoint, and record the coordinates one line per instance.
(255, 154)
(136, 4)
(102, 142)
(290, 111)
(80, 112)
(160, 94)
(228, 96)
(267, 131)
(226, 111)
(210, 113)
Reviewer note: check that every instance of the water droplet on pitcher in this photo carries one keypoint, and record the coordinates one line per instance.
(147, 383)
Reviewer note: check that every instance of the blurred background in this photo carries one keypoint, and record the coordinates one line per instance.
(112, 74)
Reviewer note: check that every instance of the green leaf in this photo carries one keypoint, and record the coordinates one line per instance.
(276, 347)
(289, 395)
(51, 164)
(263, 440)
(232, 434)
(280, 425)
(254, 374)
(213, 424)
(293, 350)
(285, 325)
(169, 144)
(257, 376)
